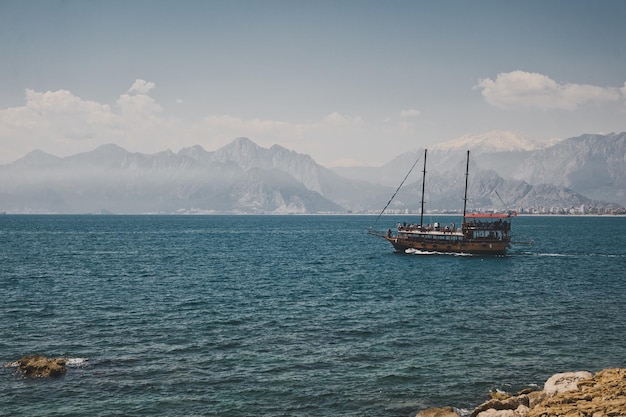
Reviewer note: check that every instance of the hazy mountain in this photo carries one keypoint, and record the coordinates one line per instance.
(590, 165)
(594, 165)
(488, 191)
(240, 177)
(496, 150)
(243, 177)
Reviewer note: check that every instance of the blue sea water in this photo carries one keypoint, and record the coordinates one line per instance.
(296, 315)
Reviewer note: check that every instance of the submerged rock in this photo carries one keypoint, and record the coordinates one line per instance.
(37, 366)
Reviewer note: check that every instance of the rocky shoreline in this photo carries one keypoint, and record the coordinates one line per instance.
(570, 394)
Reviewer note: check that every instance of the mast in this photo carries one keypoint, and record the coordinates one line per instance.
(466, 177)
(423, 187)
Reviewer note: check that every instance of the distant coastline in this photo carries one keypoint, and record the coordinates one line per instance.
(196, 213)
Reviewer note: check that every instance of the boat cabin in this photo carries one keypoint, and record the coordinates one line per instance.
(487, 226)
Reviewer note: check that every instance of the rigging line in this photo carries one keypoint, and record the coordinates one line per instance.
(394, 194)
(502, 201)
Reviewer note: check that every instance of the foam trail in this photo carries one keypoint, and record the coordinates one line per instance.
(413, 251)
(76, 361)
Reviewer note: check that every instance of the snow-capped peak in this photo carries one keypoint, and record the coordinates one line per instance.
(496, 141)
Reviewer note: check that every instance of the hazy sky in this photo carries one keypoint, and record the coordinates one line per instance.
(342, 81)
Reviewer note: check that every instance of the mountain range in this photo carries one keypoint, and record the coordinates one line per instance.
(506, 172)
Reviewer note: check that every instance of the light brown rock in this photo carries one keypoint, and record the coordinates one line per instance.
(520, 411)
(602, 395)
(563, 382)
(536, 397)
(438, 412)
(507, 404)
(570, 394)
(37, 366)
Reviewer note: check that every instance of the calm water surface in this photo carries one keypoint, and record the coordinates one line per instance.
(296, 315)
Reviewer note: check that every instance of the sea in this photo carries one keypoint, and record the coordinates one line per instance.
(226, 315)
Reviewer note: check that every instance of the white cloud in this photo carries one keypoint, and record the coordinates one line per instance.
(58, 115)
(339, 120)
(139, 104)
(532, 90)
(335, 139)
(310, 137)
(141, 86)
(61, 123)
(410, 113)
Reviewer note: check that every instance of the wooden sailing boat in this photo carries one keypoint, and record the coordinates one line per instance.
(480, 233)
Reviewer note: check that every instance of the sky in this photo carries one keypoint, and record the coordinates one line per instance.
(347, 82)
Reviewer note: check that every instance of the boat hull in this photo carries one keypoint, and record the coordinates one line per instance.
(475, 247)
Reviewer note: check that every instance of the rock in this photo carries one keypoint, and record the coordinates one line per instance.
(509, 404)
(536, 397)
(499, 395)
(518, 412)
(438, 412)
(570, 394)
(37, 366)
(601, 395)
(564, 382)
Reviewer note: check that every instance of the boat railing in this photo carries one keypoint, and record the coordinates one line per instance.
(428, 228)
(480, 225)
